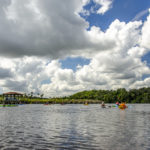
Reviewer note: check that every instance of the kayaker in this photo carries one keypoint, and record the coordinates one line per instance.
(117, 103)
(86, 103)
(103, 104)
(122, 106)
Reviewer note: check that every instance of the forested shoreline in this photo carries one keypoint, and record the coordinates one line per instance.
(141, 95)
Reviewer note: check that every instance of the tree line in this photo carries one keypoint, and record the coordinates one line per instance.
(141, 95)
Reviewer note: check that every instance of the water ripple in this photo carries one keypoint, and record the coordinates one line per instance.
(39, 127)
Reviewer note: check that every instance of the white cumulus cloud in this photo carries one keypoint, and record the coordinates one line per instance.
(105, 5)
(35, 35)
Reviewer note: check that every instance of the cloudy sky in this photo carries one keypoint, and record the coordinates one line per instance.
(60, 47)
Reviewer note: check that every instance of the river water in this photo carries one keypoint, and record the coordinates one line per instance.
(74, 127)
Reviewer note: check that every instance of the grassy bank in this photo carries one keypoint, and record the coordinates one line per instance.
(59, 101)
(55, 101)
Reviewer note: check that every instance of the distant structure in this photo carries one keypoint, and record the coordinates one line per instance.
(12, 97)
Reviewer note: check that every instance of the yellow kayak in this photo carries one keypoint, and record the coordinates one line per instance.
(86, 104)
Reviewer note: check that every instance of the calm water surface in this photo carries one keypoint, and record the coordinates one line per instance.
(74, 127)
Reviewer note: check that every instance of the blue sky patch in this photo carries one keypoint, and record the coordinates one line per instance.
(147, 58)
(47, 81)
(124, 10)
(145, 76)
(72, 63)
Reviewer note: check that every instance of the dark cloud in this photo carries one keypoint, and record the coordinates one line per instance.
(5, 73)
(44, 28)
(16, 85)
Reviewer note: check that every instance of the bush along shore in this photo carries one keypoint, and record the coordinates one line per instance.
(141, 95)
(55, 101)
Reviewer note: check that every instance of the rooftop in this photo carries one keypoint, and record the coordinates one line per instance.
(12, 93)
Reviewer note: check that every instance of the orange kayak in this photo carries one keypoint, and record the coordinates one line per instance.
(122, 106)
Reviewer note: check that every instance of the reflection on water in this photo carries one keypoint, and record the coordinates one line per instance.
(74, 127)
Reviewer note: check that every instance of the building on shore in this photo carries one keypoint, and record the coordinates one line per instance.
(12, 97)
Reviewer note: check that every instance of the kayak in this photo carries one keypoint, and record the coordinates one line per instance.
(86, 104)
(114, 106)
(122, 106)
(103, 106)
(9, 105)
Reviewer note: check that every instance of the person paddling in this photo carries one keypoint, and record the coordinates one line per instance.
(117, 103)
(103, 104)
(123, 105)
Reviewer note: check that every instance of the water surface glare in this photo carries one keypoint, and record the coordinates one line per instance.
(75, 127)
